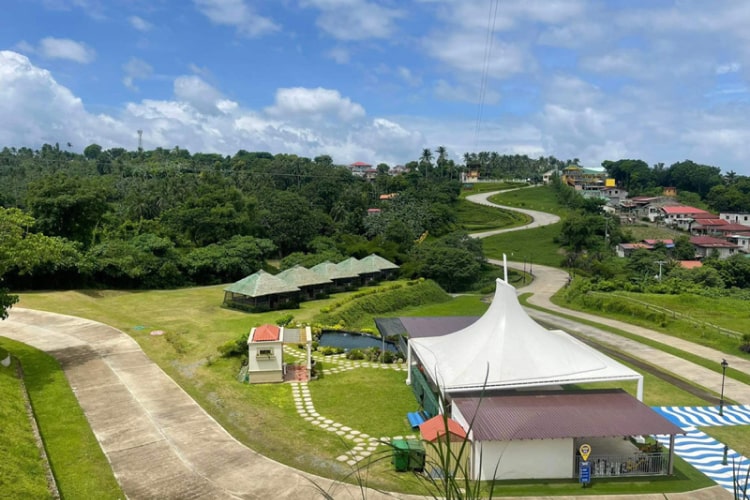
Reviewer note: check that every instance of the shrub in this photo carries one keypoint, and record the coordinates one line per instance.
(355, 354)
(236, 347)
(745, 345)
(387, 357)
(284, 320)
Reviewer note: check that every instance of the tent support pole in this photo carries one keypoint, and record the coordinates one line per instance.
(408, 362)
(670, 466)
(639, 392)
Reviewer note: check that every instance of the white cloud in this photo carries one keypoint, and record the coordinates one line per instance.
(139, 23)
(199, 94)
(410, 78)
(135, 69)
(317, 103)
(465, 52)
(339, 54)
(469, 92)
(732, 67)
(239, 14)
(65, 48)
(355, 19)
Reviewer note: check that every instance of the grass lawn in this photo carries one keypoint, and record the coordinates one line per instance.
(474, 218)
(541, 198)
(22, 472)
(642, 231)
(724, 311)
(486, 187)
(78, 463)
(532, 245)
(736, 436)
(264, 416)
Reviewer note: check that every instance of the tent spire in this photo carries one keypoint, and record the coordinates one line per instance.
(505, 268)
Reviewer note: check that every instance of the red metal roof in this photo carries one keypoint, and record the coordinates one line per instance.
(562, 414)
(360, 164)
(685, 210)
(691, 264)
(265, 333)
(711, 222)
(710, 242)
(435, 427)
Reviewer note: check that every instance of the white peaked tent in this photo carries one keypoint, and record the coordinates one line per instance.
(506, 349)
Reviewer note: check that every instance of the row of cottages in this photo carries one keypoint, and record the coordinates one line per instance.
(704, 246)
(501, 381)
(265, 354)
(265, 291)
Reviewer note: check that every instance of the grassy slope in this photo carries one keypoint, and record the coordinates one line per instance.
(78, 463)
(21, 469)
(533, 245)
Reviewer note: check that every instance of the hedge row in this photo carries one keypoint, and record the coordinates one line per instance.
(384, 300)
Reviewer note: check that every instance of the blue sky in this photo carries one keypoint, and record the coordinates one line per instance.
(379, 80)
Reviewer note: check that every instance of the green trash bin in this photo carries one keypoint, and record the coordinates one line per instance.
(400, 458)
(408, 454)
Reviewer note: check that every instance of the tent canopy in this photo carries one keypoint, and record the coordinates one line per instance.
(506, 349)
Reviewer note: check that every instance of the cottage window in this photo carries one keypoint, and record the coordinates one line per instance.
(265, 353)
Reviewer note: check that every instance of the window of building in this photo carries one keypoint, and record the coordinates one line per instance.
(265, 353)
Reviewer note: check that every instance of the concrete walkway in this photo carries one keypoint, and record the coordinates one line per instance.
(161, 444)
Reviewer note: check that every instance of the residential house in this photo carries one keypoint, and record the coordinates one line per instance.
(705, 246)
(683, 216)
(736, 217)
(265, 355)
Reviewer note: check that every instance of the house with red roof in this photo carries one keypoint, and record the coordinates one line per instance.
(265, 354)
(706, 246)
(683, 216)
(736, 217)
(443, 433)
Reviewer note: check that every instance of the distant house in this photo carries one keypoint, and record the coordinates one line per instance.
(615, 195)
(683, 216)
(736, 217)
(547, 176)
(741, 239)
(625, 249)
(707, 227)
(705, 246)
(690, 264)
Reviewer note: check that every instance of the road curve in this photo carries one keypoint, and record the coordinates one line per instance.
(539, 219)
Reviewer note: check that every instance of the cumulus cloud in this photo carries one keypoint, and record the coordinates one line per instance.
(303, 121)
(135, 69)
(355, 19)
(239, 14)
(305, 103)
(465, 52)
(139, 23)
(732, 67)
(65, 48)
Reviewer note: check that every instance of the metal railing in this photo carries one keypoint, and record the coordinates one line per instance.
(639, 464)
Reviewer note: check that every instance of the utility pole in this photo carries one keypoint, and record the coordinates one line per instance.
(661, 263)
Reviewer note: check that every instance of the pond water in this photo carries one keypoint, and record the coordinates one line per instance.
(354, 341)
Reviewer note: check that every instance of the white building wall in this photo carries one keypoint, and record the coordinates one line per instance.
(736, 218)
(527, 459)
(259, 363)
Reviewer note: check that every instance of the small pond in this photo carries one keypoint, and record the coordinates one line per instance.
(349, 341)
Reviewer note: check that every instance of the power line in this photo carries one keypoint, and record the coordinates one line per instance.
(489, 40)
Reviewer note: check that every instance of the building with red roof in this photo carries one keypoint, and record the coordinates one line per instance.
(265, 353)
(706, 246)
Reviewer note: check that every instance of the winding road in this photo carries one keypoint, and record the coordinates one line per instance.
(162, 444)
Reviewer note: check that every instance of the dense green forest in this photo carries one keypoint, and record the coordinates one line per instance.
(169, 218)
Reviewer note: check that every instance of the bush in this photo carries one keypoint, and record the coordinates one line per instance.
(327, 350)
(355, 354)
(284, 320)
(745, 345)
(234, 348)
(387, 357)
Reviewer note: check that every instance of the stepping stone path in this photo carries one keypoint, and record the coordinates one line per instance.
(363, 444)
(343, 364)
(702, 451)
